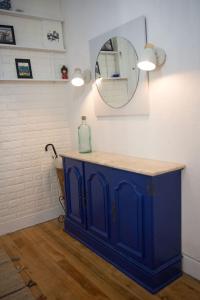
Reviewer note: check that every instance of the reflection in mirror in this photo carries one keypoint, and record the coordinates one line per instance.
(116, 72)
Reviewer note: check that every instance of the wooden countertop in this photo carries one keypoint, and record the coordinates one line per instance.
(129, 163)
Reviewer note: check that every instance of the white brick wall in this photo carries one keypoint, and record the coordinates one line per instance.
(31, 115)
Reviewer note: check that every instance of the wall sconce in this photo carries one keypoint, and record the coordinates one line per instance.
(152, 58)
(80, 78)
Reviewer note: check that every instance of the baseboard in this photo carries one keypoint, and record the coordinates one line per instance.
(191, 266)
(30, 220)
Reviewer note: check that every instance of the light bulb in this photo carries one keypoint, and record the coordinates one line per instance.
(77, 81)
(77, 78)
(151, 58)
(147, 61)
(146, 65)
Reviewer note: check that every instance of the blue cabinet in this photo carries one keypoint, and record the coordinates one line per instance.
(131, 220)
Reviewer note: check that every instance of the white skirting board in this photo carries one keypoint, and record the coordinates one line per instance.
(191, 266)
(30, 220)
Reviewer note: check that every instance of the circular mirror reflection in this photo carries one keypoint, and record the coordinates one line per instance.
(116, 72)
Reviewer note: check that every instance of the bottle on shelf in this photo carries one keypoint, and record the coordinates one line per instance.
(84, 137)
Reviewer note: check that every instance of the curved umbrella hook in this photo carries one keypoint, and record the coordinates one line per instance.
(54, 150)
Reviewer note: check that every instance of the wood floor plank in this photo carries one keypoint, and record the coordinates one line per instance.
(71, 272)
(98, 266)
(49, 279)
(179, 290)
(67, 256)
(124, 286)
(71, 256)
(65, 269)
(54, 271)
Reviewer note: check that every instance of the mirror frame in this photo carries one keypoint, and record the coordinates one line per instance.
(135, 32)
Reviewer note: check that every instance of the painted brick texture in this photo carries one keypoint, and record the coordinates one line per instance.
(31, 115)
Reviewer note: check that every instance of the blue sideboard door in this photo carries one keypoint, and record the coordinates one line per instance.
(74, 188)
(127, 215)
(98, 201)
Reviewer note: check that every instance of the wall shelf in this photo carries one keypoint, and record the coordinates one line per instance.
(62, 81)
(109, 52)
(16, 47)
(115, 78)
(31, 39)
(28, 16)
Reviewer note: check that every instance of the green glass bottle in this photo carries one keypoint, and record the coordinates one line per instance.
(84, 137)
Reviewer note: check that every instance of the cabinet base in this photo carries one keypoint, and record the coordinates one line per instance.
(152, 280)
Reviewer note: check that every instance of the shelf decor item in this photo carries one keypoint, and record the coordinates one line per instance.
(5, 4)
(64, 72)
(23, 67)
(52, 35)
(7, 35)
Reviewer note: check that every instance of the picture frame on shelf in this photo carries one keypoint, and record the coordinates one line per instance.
(108, 46)
(7, 35)
(52, 35)
(23, 67)
(5, 4)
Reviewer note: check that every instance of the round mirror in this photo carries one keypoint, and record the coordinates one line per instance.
(116, 72)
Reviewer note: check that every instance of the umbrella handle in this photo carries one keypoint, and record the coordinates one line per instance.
(54, 150)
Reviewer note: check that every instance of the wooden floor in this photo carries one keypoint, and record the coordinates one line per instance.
(65, 269)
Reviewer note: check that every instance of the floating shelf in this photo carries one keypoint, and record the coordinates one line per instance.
(16, 47)
(30, 45)
(34, 81)
(115, 78)
(28, 16)
(109, 52)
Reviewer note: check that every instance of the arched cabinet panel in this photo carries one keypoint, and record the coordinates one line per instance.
(74, 192)
(129, 219)
(97, 194)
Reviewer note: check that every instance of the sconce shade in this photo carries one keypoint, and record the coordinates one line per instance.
(77, 78)
(151, 58)
(147, 61)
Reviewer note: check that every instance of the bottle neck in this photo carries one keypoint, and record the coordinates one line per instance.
(83, 122)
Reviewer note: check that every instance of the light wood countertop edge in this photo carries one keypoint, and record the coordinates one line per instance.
(86, 157)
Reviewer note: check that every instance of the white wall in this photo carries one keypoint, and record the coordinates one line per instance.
(171, 132)
(47, 8)
(31, 115)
